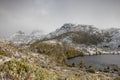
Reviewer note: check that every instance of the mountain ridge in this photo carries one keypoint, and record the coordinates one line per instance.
(105, 37)
(21, 37)
(75, 34)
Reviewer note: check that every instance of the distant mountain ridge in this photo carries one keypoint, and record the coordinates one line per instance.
(86, 35)
(21, 37)
(75, 34)
(68, 27)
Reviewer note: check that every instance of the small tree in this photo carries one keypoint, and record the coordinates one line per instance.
(82, 64)
(91, 69)
(73, 64)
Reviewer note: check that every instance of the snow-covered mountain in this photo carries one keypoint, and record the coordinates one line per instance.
(112, 38)
(79, 34)
(68, 27)
(86, 35)
(20, 37)
(73, 34)
(37, 34)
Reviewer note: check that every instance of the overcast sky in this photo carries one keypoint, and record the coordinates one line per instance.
(48, 15)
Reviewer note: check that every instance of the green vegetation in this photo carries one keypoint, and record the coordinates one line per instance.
(82, 37)
(23, 70)
(82, 64)
(118, 78)
(91, 69)
(98, 53)
(107, 69)
(58, 52)
(73, 64)
(37, 66)
(2, 53)
(115, 68)
(112, 68)
(86, 38)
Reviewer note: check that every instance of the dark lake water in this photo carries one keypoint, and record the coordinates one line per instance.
(96, 60)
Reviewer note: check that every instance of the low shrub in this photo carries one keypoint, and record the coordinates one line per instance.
(22, 70)
(57, 51)
(91, 69)
(2, 53)
(82, 64)
(118, 78)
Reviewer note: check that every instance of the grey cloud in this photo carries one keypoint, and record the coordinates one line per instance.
(47, 15)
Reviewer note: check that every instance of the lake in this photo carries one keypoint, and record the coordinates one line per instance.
(98, 61)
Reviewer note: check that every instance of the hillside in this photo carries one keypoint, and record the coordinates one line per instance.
(21, 37)
(18, 62)
(75, 35)
(83, 38)
(87, 35)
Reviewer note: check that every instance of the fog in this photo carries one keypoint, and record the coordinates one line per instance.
(48, 15)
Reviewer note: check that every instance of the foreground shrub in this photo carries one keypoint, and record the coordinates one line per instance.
(19, 70)
(118, 78)
(2, 53)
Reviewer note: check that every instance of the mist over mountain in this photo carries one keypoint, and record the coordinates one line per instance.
(87, 35)
(59, 39)
(74, 35)
(21, 37)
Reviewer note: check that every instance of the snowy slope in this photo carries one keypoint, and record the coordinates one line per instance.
(36, 34)
(20, 37)
(68, 27)
(108, 37)
(73, 34)
(114, 38)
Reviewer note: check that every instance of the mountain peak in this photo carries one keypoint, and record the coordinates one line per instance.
(37, 32)
(21, 37)
(67, 25)
(20, 32)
